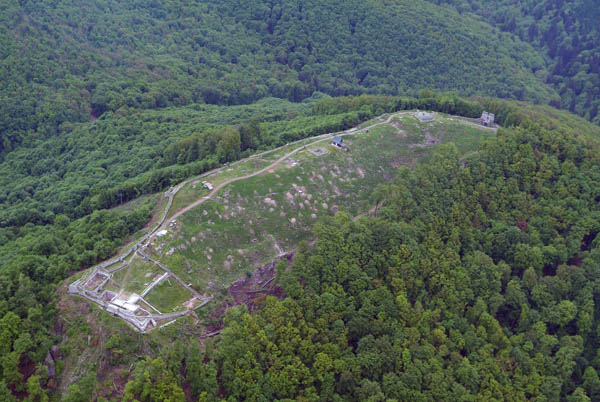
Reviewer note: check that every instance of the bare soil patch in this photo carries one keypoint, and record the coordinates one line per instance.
(430, 140)
(95, 281)
(318, 151)
(251, 291)
(190, 304)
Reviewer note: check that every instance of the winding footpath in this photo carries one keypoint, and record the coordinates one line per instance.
(139, 246)
(272, 165)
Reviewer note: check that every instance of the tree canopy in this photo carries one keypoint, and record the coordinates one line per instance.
(63, 63)
(566, 32)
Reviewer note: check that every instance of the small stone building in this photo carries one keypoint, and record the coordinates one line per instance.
(487, 119)
(424, 117)
(339, 142)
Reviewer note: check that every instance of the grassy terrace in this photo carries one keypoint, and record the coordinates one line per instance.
(137, 275)
(168, 296)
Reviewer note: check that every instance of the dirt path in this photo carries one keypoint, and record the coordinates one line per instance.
(124, 281)
(271, 166)
(143, 242)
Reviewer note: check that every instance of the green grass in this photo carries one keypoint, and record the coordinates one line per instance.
(373, 121)
(466, 137)
(193, 190)
(250, 222)
(137, 275)
(218, 242)
(168, 296)
(131, 205)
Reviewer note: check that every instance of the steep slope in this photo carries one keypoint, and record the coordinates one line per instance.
(65, 62)
(567, 32)
(477, 277)
(416, 278)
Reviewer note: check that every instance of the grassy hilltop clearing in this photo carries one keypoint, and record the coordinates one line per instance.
(438, 260)
(252, 221)
(474, 247)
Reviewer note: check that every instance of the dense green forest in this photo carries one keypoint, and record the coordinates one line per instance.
(476, 279)
(567, 32)
(63, 62)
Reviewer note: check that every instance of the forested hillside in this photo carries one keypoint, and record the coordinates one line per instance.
(64, 62)
(476, 278)
(472, 277)
(567, 32)
(55, 216)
